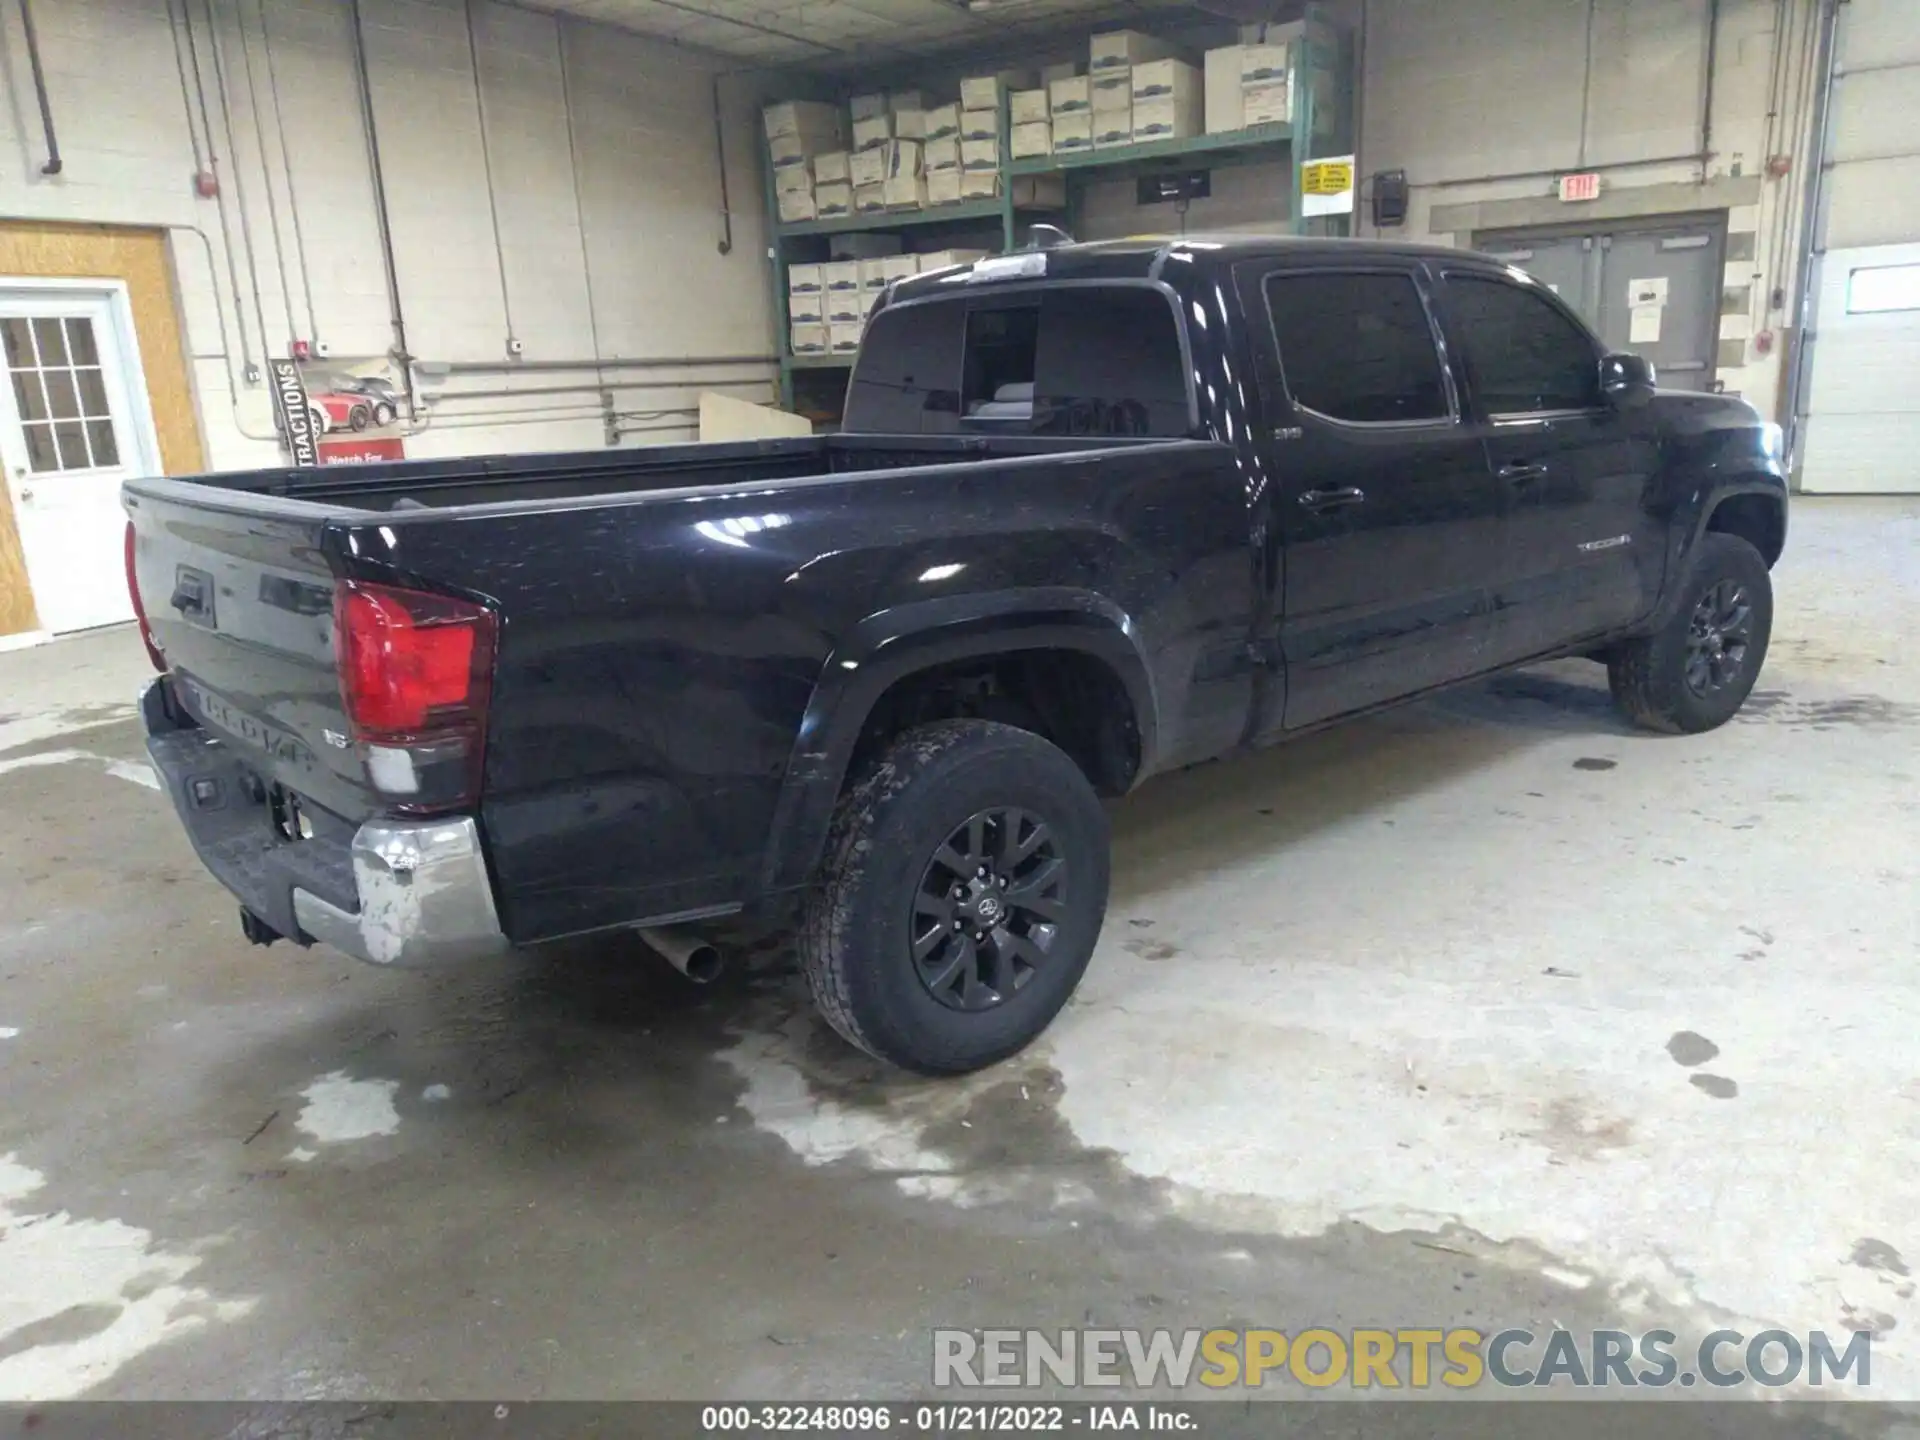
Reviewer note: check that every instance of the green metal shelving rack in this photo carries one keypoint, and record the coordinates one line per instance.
(1324, 58)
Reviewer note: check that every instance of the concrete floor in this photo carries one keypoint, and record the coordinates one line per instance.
(1490, 1012)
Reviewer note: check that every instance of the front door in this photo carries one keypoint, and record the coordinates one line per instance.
(68, 437)
(1660, 298)
(1390, 520)
(1584, 552)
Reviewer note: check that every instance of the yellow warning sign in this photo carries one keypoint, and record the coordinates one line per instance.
(1326, 177)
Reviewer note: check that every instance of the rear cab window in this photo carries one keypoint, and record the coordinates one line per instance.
(1358, 347)
(1081, 360)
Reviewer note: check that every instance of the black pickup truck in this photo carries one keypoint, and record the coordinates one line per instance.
(1099, 512)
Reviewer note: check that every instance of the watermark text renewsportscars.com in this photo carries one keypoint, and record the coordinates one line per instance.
(1411, 1359)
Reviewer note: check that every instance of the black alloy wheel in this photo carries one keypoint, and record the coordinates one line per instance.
(1718, 638)
(988, 908)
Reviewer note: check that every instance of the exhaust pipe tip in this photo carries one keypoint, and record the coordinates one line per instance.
(697, 959)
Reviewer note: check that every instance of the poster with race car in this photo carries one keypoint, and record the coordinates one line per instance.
(342, 412)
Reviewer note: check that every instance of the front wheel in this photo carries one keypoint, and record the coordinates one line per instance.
(1696, 671)
(965, 884)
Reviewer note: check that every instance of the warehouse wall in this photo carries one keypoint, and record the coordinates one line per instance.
(1461, 93)
(600, 170)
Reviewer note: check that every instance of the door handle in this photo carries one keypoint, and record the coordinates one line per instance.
(1321, 500)
(1523, 473)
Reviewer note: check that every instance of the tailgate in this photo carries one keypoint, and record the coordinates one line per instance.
(240, 600)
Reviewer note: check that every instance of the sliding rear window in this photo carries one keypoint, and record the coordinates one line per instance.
(1082, 360)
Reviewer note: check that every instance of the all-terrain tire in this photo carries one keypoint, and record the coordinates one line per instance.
(857, 935)
(1649, 675)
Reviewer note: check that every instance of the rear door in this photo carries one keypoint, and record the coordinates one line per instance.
(1390, 521)
(1582, 553)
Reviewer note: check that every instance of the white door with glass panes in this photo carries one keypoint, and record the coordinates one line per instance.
(73, 425)
(1860, 430)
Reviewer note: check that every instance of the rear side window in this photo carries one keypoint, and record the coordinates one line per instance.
(907, 378)
(1357, 348)
(1523, 354)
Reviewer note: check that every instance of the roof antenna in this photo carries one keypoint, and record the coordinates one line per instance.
(1047, 237)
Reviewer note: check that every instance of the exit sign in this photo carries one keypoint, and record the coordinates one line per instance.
(1580, 187)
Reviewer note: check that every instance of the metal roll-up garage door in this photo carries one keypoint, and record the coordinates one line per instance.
(1859, 429)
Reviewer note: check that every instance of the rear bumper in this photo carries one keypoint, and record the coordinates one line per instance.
(392, 892)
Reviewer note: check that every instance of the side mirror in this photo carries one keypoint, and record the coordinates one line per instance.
(1626, 380)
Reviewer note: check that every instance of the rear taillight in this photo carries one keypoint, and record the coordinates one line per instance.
(415, 672)
(140, 610)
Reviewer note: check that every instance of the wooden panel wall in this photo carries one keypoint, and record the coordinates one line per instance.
(104, 252)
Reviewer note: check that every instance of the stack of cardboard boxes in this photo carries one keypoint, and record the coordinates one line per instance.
(799, 134)
(1252, 83)
(828, 304)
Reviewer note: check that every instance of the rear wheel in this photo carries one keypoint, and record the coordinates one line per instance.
(965, 885)
(1696, 671)
(359, 417)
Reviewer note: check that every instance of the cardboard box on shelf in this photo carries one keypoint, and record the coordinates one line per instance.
(1027, 106)
(1160, 78)
(844, 339)
(1112, 90)
(788, 150)
(805, 280)
(979, 124)
(1033, 139)
(796, 206)
(980, 155)
(910, 124)
(808, 338)
(938, 155)
(899, 267)
(947, 259)
(982, 92)
(1169, 117)
(848, 307)
(943, 186)
(903, 158)
(865, 107)
(1223, 108)
(1073, 132)
(1112, 127)
(832, 201)
(979, 184)
(1121, 49)
(1064, 70)
(1264, 64)
(840, 275)
(793, 177)
(871, 131)
(802, 117)
(906, 192)
(869, 167)
(873, 273)
(1068, 96)
(863, 246)
(1266, 104)
(807, 309)
(869, 199)
(943, 122)
(1040, 191)
(831, 167)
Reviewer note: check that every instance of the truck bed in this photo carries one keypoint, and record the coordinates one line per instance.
(670, 624)
(498, 479)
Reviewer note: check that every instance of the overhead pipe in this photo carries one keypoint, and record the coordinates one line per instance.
(383, 222)
(658, 362)
(54, 163)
